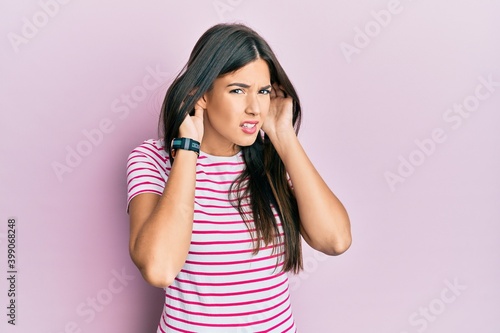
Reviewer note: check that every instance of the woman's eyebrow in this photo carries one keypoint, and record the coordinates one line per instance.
(238, 84)
(244, 85)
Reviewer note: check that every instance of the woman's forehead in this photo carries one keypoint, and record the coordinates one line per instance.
(253, 73)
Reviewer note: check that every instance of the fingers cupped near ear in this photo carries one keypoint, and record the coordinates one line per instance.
(198, 111)
(273, 93)
(278, 91)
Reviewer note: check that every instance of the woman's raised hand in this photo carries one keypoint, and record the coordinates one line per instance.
(192, 126)
(279, 121)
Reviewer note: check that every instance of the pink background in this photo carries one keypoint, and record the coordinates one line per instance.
(364, 113)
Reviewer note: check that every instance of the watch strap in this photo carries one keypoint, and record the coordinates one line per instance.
(186, 144)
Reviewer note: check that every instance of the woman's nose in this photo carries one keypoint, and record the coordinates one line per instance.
(253, 106)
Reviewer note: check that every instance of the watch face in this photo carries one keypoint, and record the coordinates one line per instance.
(195, 145)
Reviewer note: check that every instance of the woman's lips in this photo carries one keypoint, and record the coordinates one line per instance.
(249, 127)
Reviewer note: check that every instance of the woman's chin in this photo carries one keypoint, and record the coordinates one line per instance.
(247, 141)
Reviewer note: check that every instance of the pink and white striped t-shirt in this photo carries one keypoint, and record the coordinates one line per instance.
(222, 286)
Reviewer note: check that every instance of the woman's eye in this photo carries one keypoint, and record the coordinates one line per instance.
(265, 91)
(236, 91)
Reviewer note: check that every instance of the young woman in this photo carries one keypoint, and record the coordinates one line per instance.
(219, 205)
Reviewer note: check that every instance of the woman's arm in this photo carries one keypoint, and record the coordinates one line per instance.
(161, 226)
(325, 224)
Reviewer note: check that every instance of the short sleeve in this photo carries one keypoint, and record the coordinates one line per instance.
(147, 170)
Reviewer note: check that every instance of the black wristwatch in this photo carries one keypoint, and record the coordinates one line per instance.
(186, 144)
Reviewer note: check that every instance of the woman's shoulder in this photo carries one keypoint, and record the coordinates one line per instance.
(157, 143)
(151, 145)
(152, 149)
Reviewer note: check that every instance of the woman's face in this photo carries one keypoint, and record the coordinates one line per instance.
(235, 108)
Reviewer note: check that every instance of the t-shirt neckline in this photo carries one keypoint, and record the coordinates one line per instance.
(234, 157)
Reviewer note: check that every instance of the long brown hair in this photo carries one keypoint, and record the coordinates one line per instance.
(223, 49)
